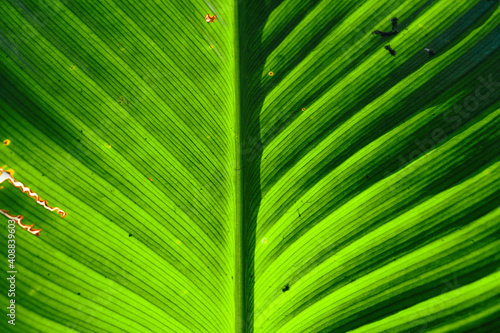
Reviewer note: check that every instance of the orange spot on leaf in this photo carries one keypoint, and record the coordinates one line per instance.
(6, 142)
(271, 73)
(209, 18)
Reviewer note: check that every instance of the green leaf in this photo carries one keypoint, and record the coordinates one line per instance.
(276, 170)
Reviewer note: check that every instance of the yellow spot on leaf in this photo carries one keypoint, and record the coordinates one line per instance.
(264, 240)
(271, 73)
(303, 109)
(9, 171)
(6, 142)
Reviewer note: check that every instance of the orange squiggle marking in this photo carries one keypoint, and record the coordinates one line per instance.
(18, 220)
(7, 175)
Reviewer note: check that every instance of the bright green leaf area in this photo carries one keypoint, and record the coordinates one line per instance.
(276, 170)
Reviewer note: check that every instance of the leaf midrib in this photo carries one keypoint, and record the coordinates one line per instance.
(239, 280)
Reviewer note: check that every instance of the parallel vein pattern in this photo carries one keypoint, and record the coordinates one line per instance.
(376, 186)
(369, 188)
(121, 112)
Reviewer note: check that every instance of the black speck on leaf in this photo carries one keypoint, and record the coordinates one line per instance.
(431, 52)
(391, 50)
(287, 287)
(130, 235)
(78, 293)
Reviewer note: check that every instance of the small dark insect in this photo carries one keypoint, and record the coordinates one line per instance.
(287, 287)
(384, 34)
(394, 21)
(388, 47)
(430, 51)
